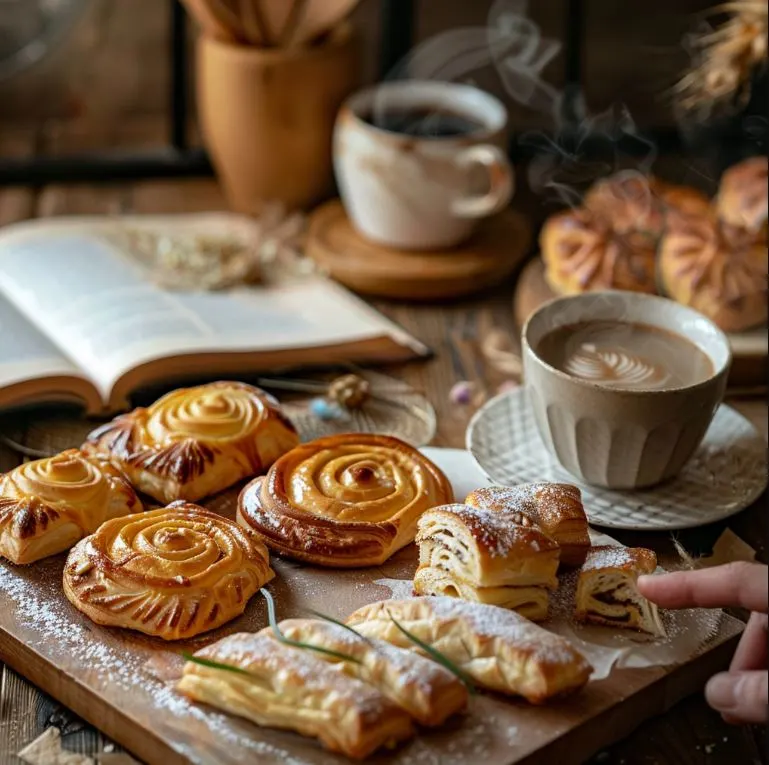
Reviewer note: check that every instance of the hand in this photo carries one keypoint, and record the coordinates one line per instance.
(741, 694)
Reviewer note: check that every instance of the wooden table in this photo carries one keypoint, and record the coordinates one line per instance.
(690, 734)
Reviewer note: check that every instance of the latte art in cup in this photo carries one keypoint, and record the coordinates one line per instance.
(617, 368)
(625, 355)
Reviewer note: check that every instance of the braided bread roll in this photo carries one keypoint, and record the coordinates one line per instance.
(343, 501)
(743, 198)
(49, 504)
(194, 442)
(172, 573)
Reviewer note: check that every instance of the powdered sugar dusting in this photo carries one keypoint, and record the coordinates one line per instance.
(638, 560)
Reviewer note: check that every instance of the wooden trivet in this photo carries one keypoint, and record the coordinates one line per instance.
(749, 349)
(494, 252)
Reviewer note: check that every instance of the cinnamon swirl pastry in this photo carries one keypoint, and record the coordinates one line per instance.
(172, 573)
(743, 197)
(424, 689)
(582, 253)
(486, 557)
(719, 270)
(607, 593)
(194, 442)
(498, 648)
(49, 504)
(343, 501)
(555, 508)
(293, 689)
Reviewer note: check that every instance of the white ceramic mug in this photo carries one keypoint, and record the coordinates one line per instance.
(421, 193)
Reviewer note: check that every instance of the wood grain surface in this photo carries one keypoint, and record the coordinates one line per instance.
(689, 734)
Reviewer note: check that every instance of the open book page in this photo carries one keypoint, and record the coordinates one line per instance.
(25, 353)
(98, 304)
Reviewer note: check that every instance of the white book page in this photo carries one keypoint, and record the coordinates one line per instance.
(25, 353)
(98, 305)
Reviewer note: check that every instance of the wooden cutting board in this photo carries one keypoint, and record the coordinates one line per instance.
(749, 349)
(122, 682)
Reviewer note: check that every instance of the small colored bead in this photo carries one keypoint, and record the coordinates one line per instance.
(507, 386)
(326, 410)
(461, 392)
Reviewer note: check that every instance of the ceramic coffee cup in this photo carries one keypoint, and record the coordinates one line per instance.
(620, 438)
(410, 191)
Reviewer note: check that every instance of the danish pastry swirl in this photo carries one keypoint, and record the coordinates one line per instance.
(354, 498)
(617, 368)
(173, 572)
(222, 411)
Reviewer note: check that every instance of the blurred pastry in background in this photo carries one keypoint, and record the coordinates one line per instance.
(582, 253)
(717, 269)
(742, 196)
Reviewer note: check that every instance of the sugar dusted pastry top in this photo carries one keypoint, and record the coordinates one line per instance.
(346, 500)
(196, 441)
(618, 558)
(48, 504)
(743, 195)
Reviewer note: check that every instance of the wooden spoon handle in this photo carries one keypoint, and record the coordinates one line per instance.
(296, 16)
(255, 26)
(209, 16)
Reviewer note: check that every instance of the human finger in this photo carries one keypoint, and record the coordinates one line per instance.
(734, 584)
(740, 697)
(752, 651)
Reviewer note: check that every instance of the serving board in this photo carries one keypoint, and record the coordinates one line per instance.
(749, 349)
(122, 682)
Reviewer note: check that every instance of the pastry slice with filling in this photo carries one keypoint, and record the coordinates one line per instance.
(291, 688)
(497, 648)
(486, 557)
(607, 593)
(426, 690)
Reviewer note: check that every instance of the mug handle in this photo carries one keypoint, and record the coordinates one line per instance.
(501, 182)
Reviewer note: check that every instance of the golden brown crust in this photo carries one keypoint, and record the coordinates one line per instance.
(424, 689)
(172, 573)
(742, 195)
(343, 501)
(582, 253)
(49, 504)
(717, 269)
(293, 689)
(607, 593)
(555, 508)
(498, 648)
(194, 442)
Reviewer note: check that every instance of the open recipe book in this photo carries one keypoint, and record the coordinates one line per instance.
(82, 319)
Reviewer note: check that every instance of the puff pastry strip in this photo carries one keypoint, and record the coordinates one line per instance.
(556, 508)
(291, 688)
(499, 649)
(194, 442)
(427, 691)
(607, 593)
(46, 506)
(482, 556)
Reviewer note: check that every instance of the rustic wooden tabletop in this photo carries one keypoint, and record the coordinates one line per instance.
(689, 734)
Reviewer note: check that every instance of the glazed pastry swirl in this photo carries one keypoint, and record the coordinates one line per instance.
(618, 369)
(173, 572)
(49, 504)
(349, 500)
(197, 441)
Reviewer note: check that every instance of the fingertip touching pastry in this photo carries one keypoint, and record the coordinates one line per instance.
(291, 688)
(484, 556)
(49, 504)
(343, 501)
(607, 593)
(172, 573)
(555, 508)
(582, 253)
(194, 442)
(499, 649)
(742, 195)
(426, 690)
(717, 269)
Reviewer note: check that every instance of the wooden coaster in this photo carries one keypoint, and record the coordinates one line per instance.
(494, 252)
(749, 349)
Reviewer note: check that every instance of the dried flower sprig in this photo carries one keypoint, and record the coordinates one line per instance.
(215, 664)
(339, 623)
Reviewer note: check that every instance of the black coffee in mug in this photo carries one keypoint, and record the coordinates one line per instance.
(424, 122)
